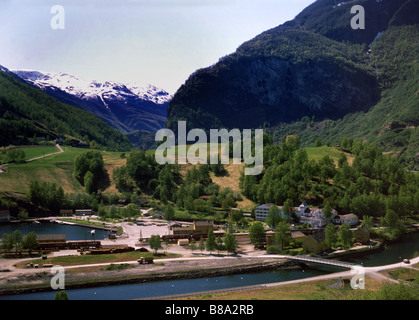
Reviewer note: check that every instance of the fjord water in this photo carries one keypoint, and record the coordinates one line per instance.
(173, 287)
(407, 248)
(45, 227)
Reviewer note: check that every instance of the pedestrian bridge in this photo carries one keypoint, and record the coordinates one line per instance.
(321, 261)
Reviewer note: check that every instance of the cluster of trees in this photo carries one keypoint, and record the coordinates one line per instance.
(130, 211)
(89, 170)
(12, 155)
(46, 195)
(372, 185)
(50, 197)
(228, 242)
(142, 174)
(16, 241)
(342, 237)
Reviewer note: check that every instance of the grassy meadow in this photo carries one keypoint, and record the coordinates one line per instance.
(54, 169)
(59, 169)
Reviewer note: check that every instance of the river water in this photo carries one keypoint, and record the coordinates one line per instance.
(408, 248)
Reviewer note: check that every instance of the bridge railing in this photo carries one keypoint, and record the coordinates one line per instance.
(323, 261)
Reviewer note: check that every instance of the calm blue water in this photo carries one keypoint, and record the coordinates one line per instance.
(45, 227)
(161, 288)
(406, 249)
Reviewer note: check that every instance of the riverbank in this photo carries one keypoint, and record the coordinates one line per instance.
(165, 269)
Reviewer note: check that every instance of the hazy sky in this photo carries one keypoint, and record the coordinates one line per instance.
(160, 42)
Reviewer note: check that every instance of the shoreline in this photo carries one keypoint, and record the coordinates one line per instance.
(119, 278)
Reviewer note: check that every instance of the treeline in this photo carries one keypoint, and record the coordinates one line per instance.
(52, 198)
(372, 185)
(17, 242)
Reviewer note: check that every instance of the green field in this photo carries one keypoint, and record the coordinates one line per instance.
(54, 169)
(317, 153)
(38, 151)
(59, 169)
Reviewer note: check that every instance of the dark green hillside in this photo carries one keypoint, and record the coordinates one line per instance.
(314, 77)
(328, 18)
(277, 77)
(393, 122)
(25, 112)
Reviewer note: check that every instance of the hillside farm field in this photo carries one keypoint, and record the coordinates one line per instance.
(59, 168)
(56, 169)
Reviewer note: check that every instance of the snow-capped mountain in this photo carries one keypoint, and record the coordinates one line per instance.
(127, 107)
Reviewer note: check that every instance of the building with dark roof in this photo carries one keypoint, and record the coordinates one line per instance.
(315, 243)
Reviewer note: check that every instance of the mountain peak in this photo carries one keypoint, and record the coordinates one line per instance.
(125, 106)
(82, 88)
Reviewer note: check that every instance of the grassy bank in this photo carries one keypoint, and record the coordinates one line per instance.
(66, 261)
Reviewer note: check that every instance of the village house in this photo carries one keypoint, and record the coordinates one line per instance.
(4, 215)
(51, 238)
(315, 222)
(361, 234)
(84, 212)
(198, 227)
(295, 235)
(350, 219)
(305, 211)
(261, 212)
(315, 243)
(314, 216)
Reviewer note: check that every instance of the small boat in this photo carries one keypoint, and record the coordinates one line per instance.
(36, 221)
(92, 232)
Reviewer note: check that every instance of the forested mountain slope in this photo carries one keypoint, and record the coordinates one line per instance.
(315, 76)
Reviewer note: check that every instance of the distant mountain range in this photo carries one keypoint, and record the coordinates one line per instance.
(126, 107)
(27, 112)
(316, 77)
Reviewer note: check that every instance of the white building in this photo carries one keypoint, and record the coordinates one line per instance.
(315, 222)
(313, 216)
(261, 212)
(305, 210)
